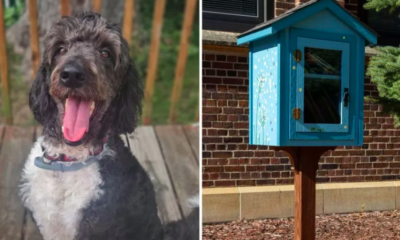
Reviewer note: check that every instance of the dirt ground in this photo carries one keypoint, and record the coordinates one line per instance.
(356, 226)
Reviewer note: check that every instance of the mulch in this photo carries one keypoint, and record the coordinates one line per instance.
(356, 226)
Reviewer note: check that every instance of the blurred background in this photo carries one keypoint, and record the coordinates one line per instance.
(19, 57)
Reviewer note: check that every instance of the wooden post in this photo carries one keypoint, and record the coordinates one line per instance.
(96, 5)
(198, 112)
(153, 60)
(182, 57)
(64, 8)
(128, 17)
(33, 16)
(305, 162)
(5, 89)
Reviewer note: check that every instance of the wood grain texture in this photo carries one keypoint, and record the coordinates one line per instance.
(128, 20)
(145, 147)
(2, 129)
(305, 162)
(65, 9)
(33, 27)
(31, 231)
(96, 6)
(11, 214)
(192, 133)
(15, 148)
(5, 88)
(181, 163)
(190, 12)
(153, 60)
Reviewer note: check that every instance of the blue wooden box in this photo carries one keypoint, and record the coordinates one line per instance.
(306, 77)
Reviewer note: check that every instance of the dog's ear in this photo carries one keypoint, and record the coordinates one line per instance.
(43, 106)
(129, 101)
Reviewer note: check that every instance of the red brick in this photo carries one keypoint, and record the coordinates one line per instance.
(234, 168)
(240, 66)
(212, 110)
(232, 59)
(243, 154)
(225, 183)
(209, 57)
(213, 169)
(223, 65)
(233, 110)
(222, 125)
(246, 182)
(241, 125)
(212, 80)
(234, 81)
(222, 154)
(208, 184)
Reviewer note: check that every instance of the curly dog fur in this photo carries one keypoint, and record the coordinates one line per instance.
(112, 198)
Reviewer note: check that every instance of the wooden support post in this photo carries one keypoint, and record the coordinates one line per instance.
(305, 162)
(64, 8)
(33, 16)
(182, 57)
(198, 112)
(5, 88)
(153, 60)
(128, 20)
(96, 6)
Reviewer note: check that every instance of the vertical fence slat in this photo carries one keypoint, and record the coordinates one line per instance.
(182, 57)
(128, 20)
(96, 4)
(198, 111)
(5, 90)
(153, 59)
(34, 35)
(65, 8)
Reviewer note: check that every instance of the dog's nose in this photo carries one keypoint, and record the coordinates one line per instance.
(72, 75)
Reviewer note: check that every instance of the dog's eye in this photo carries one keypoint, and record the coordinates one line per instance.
(105, 54)
(62, 51)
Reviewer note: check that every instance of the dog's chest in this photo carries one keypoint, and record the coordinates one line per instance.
(57, 199)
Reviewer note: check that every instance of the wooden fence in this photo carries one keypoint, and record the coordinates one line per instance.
(127, 33)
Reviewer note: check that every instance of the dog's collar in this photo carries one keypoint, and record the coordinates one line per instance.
(63, 163)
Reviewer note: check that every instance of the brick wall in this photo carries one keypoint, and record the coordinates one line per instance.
(229, 161)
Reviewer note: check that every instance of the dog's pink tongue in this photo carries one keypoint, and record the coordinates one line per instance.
(76, 119)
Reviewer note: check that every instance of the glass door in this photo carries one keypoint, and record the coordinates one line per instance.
(322, 81)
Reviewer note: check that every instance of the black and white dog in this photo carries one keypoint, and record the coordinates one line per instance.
(80, 181)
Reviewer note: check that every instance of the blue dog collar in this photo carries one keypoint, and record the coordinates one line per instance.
(60, 166)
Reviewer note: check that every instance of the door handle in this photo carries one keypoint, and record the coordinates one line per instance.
(346, 98)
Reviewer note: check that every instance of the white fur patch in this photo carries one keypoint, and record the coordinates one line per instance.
(56, 198)
(193, 202)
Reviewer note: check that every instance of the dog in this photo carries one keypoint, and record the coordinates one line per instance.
(80, 181)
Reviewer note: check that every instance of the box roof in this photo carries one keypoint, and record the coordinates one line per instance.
(303, 11)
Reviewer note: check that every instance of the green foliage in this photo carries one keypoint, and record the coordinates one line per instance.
(169, 48)
(384, 70)
(378, 5)
(12, 14)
